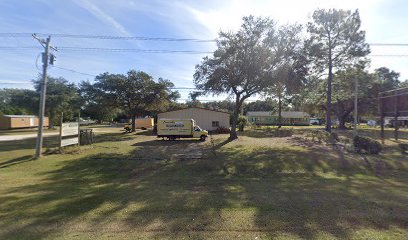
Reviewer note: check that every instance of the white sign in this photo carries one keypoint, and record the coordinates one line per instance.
(69, 128)
(69, 141)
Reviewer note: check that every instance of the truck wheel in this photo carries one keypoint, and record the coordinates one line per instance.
(202, 138)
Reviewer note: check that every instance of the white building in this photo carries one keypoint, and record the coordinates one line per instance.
(207, 119)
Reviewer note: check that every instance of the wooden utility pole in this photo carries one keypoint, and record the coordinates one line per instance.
(45, 55)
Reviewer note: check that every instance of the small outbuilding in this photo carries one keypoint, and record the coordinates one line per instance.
(291, 118)
(20, 121)
(205, 118)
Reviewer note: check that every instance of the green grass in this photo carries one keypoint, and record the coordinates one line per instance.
(132, 186)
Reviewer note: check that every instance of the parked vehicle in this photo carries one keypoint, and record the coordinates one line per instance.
(141, 123)
(315, 121)
(180, 128)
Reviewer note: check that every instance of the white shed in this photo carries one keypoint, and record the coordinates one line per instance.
(207, 119)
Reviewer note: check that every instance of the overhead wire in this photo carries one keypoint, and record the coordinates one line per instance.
(109, 37)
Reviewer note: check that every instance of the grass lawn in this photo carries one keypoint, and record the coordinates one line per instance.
(133, 186)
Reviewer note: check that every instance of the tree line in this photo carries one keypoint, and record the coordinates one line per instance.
(293, 67)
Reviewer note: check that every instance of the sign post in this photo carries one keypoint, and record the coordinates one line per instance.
(60, 131)
(69, 133)
(79, 130)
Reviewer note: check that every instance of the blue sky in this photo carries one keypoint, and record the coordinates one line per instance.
(384, 22)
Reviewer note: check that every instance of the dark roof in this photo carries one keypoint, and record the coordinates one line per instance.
(197, 108)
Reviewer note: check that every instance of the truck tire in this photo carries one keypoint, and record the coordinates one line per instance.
(202, 138)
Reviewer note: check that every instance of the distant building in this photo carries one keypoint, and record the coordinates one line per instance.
(271, 118)
(207, 119)
(401, 121)
(20, 121)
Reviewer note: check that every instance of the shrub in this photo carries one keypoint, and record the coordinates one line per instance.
(222, 130)
(403, 147)
(370, 145)
(242, 122)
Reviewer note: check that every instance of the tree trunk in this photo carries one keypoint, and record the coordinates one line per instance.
(233, 133)
(279, 111)
(133, 122)
(342, 121)
(329, 92)
(51, 120)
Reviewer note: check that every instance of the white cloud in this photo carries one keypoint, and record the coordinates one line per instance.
(227, 15)
(102, 16)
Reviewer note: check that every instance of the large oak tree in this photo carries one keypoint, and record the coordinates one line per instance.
(240, 64)
(136, 92)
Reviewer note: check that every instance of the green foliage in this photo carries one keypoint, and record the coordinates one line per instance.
(95, 105)
(135, 93)
(18, 101)
(335, 42)
(62, 96)
(222, 130)
(224, 105)
(367, 144)
(336, 39)
(289, 77)
(268, 105)
(242, 64)
(242, 122)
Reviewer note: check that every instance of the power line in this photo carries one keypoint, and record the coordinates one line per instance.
(19, 47)
(74, 71)
(108, 37)
(117, 50)
(390, 44)
(153, 51)
(145, 38)
(388, 55)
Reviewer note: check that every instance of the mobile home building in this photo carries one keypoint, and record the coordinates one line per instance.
(20, 121)
(292, 118)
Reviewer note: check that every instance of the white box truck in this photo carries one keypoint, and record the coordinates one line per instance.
(179, 128)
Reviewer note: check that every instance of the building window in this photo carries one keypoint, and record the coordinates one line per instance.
(215, 123)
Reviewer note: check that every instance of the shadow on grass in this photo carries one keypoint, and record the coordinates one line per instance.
(48, 142)
(270, 191)
(16, 161)
(175, 143)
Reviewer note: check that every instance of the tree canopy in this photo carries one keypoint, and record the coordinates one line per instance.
(136, 93)
(335, 43)
(62, 96)
(242, 63)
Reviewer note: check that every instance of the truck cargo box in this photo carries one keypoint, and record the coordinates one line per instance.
(180, 127)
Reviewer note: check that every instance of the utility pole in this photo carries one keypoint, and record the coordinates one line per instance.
(45, 55)
(355, 106)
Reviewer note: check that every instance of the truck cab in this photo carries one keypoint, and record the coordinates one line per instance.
(199, 133)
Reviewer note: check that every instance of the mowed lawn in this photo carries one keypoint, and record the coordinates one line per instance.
(133, 186)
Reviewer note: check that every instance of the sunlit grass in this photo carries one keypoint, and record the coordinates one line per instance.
(129, 186)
